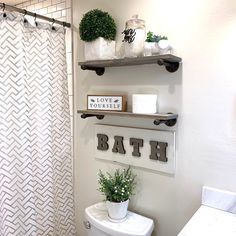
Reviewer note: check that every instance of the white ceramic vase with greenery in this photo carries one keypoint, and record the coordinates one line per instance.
(117, 189)
(98, 30)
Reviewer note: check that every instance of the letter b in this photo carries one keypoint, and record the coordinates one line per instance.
(102, 142)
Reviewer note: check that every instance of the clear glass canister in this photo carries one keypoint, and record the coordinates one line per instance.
(135, 36)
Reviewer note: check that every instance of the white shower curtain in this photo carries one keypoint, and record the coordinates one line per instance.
(36, 192)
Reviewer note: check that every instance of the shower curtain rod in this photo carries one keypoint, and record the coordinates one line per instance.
(22, 11)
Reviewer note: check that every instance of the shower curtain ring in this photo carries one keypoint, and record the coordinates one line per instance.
(3, 9)
(25, 13)
(53, 21)
(35, 16)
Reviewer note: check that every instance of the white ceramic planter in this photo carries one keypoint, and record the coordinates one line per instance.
(117, 211)
(151, 48)
(99, 49)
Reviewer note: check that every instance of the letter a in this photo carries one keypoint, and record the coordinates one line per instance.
(118, 145)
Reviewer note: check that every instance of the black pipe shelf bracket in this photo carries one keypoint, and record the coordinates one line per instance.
(168, 123)
(170, 62)
(169, 119)
(170, 66)
(99, 70)
(99, 117)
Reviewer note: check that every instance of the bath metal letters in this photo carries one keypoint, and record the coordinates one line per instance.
(157, 149)
(149, 149)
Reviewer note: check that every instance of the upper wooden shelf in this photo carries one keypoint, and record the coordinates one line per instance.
(168, 119)
(170, 62)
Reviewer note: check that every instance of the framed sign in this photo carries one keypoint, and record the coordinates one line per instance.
(106, 102)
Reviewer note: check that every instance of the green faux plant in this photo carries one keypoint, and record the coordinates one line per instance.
(151, 37)
(117, 187)
(95, 24)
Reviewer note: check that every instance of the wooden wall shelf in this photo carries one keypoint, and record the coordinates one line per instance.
(170, 62)
(168, 119)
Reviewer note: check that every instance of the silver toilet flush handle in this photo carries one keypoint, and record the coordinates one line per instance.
(87, 225)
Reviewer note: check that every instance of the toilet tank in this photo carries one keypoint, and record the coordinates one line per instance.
(93, 231)
(97, 223)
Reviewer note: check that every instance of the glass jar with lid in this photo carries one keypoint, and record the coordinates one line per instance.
(135, 35)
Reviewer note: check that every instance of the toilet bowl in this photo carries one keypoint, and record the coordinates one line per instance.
(97, 223)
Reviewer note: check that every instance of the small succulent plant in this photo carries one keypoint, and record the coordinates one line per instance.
(151, 37)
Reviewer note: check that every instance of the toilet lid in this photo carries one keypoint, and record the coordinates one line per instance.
(134, 225)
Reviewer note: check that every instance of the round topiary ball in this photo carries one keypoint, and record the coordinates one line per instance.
(95, 24)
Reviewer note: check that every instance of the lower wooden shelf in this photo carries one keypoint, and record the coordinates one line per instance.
(168, 119)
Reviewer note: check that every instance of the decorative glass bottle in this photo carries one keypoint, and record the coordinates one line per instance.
(134, 37)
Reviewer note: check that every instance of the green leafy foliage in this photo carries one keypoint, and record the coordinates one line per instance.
(95, 24)
(151, 37)
(117, 187)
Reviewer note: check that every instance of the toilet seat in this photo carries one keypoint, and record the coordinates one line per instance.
(134, 225)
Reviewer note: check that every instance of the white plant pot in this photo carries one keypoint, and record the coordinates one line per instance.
(151, 48)
(99, 49)
(117, 211)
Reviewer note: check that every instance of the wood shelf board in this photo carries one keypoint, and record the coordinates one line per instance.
(131, 61)
(161, 116)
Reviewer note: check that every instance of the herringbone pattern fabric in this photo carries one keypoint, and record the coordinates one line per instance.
(35, 142)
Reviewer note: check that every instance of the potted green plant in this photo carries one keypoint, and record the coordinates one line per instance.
(98, 30)
(117, 189)
(156, 44)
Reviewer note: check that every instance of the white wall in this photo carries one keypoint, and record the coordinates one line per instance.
(202, 92)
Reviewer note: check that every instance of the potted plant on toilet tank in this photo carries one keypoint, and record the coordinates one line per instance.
(98, 30)
(117, 188)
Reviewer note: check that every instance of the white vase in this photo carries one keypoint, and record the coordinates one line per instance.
(147, 49)
(151, 48)
(117, 211)
(99, 49)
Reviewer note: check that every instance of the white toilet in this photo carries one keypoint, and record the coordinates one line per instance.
(98, 224)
